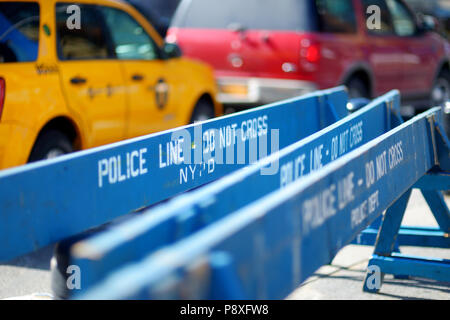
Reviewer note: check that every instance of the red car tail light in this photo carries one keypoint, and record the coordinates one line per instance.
(313, 53)
(310, 51)
(2, 95)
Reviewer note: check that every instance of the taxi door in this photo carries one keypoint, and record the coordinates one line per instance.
(149, 91)
(91, 76)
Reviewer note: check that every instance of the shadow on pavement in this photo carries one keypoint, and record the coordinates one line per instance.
(358, 275)
(36, 260)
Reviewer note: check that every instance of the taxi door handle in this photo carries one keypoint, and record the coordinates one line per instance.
(78, 80)
(137, 77)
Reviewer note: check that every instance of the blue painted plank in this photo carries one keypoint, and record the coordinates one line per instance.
(160, 226)
(399, 264)
(409, 236)
(45, 202)
(277, 242)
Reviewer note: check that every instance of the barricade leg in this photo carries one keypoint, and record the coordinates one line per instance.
(389, 261)
(437, 204)
(385, 243)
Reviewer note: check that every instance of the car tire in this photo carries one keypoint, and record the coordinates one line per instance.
(50, 144)
(357, 89)
(441, 89)
(441, 94)
(204, 110)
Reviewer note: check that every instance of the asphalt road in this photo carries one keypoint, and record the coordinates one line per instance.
(28, 277)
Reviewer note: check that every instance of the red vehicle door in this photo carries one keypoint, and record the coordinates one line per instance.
(385, 53)
(419, 51)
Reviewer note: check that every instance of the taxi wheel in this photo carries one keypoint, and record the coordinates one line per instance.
(50, 144)
(204, 110)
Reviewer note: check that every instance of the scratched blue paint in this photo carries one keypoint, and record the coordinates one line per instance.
(45, 202)
(288, 230)
(181, 217)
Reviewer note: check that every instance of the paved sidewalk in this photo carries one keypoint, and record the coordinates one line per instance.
(343, 279)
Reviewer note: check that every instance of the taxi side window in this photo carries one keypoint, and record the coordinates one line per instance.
(130, 40)
(19, 31)
(89, 42)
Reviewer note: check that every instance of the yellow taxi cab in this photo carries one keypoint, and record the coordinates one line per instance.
(80, 74)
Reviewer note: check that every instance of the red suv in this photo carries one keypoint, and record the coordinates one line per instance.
(263, 51)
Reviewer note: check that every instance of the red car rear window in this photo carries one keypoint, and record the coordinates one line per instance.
(250, 14)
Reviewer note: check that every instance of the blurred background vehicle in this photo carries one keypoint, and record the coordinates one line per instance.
(64, 89)
(266, 50)
(436, 8)
(158, 12)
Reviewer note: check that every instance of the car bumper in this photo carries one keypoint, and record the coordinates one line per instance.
(15, 145)
(260, 90)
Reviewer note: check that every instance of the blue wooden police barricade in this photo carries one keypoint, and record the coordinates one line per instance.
(188, 213)
(264, 249)
(48, 201)
(437, 237)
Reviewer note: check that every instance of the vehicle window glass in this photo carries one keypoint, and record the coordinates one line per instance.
(90, 41)
(422, 6)
(444, 4)
(402, 19)
(130, 40)
(385, 26)
(336, 16)
(247, 14)
(19, 31)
